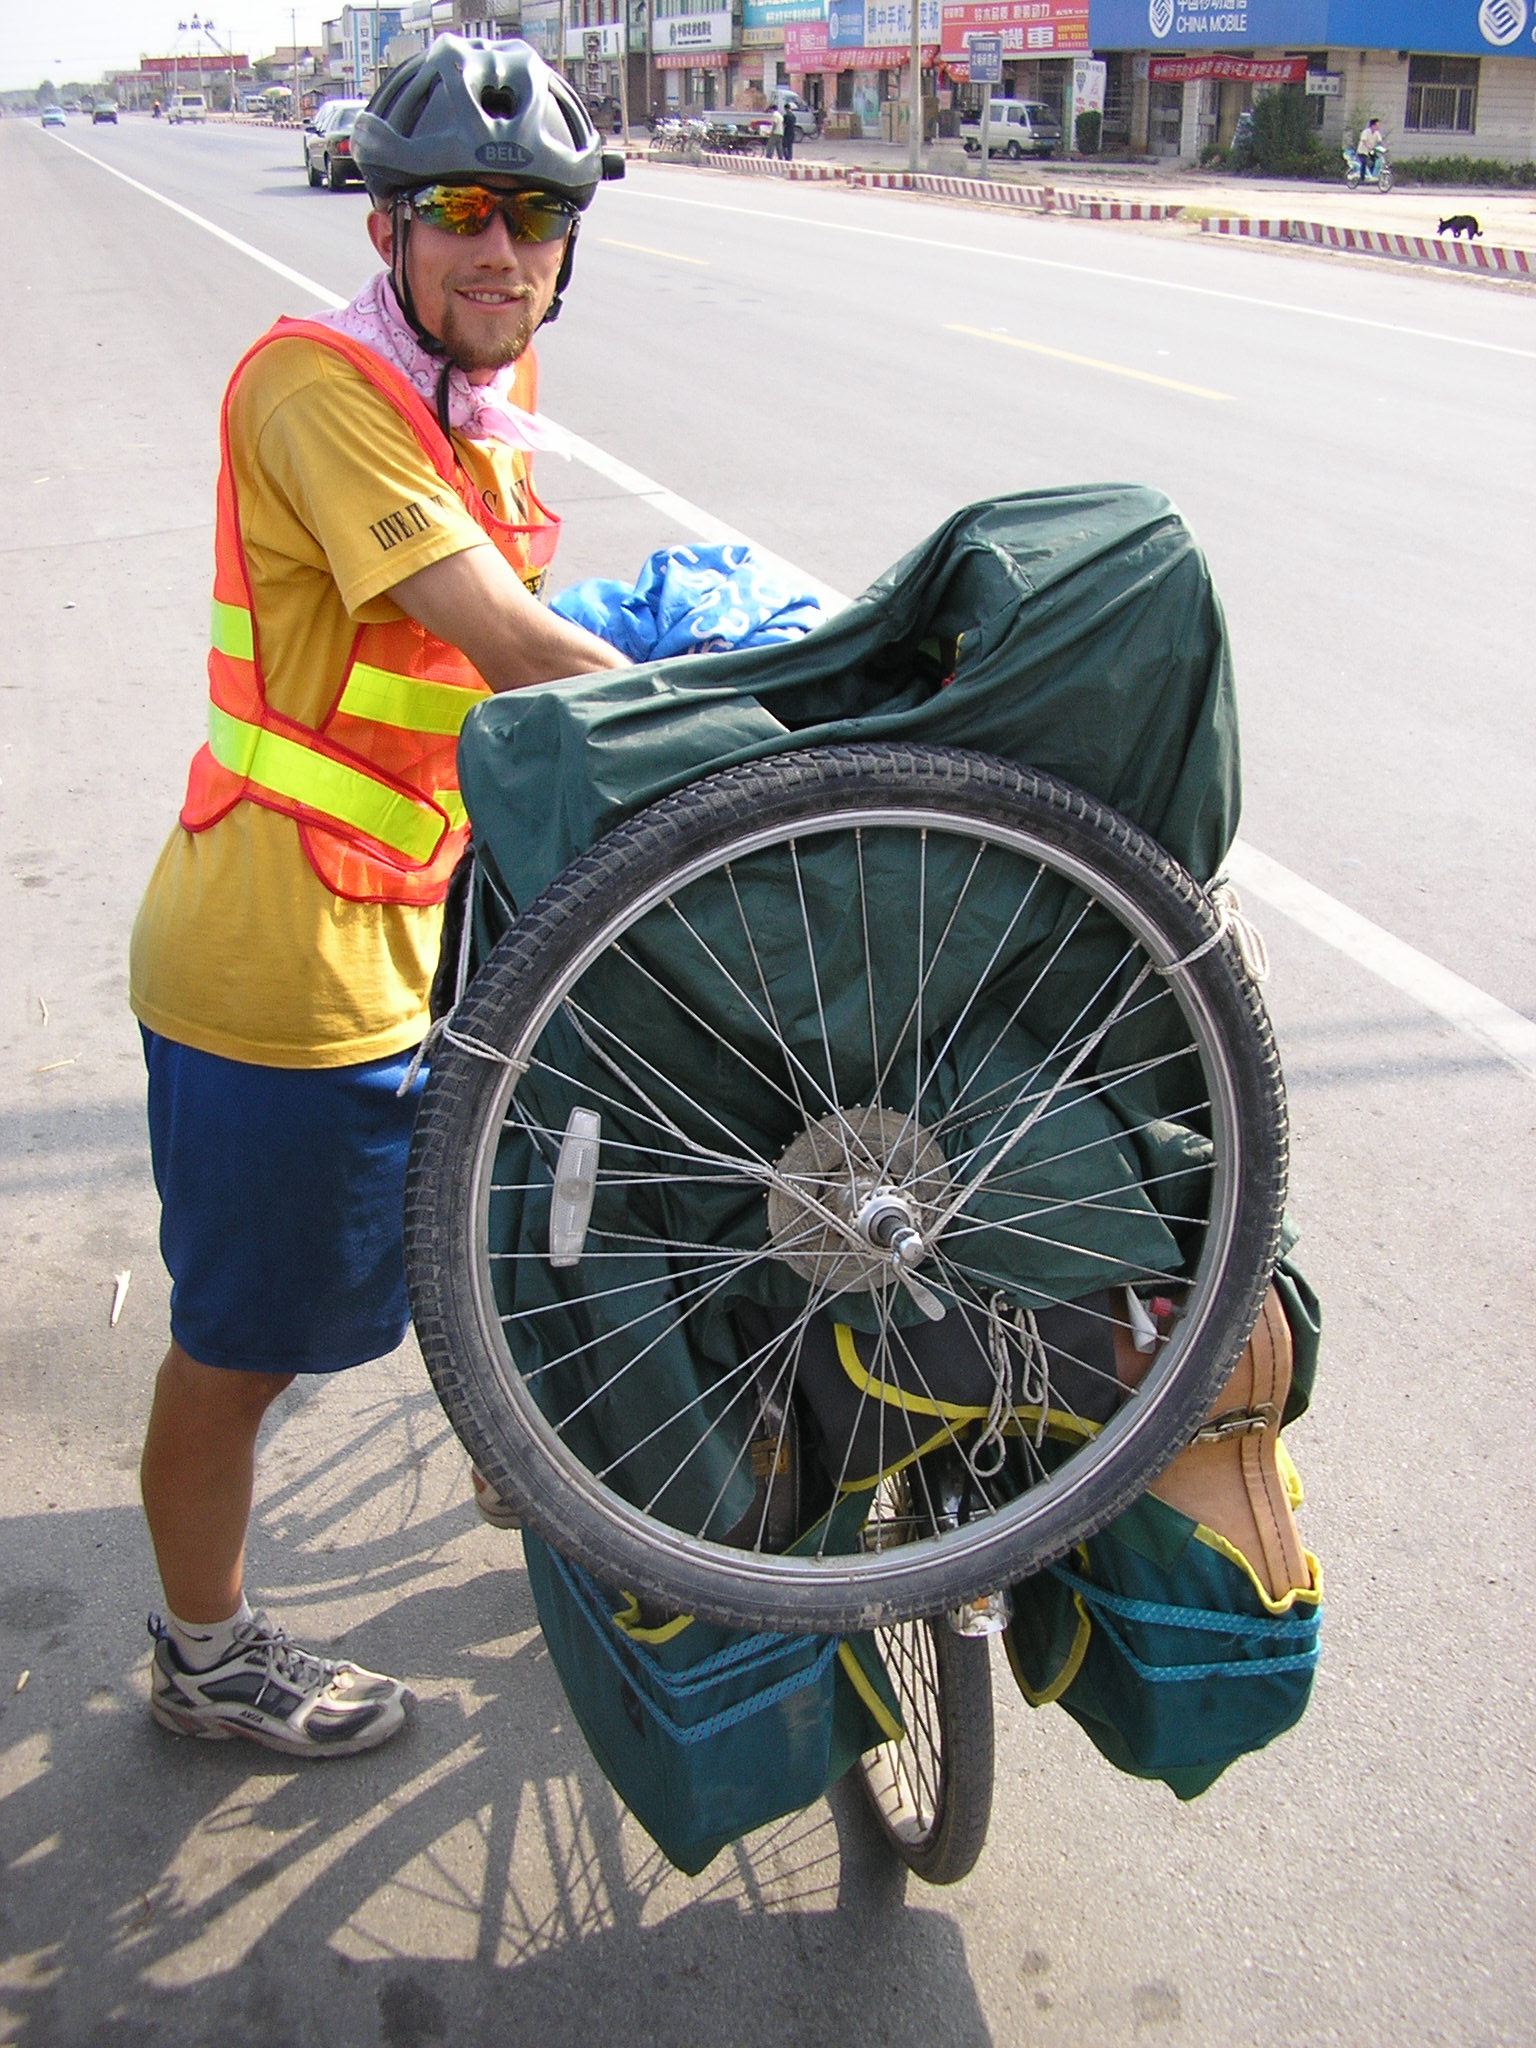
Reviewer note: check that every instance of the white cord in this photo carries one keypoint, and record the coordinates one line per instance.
(1249, 940)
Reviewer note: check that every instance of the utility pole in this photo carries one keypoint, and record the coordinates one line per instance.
(915, 111)
(293, 57)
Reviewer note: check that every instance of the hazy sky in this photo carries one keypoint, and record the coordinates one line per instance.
(84, 38)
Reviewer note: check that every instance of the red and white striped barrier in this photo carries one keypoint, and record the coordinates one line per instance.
(1124, 209)
(991, 193)
(1454, 255)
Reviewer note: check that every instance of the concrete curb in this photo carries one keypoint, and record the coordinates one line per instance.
(1451, 255)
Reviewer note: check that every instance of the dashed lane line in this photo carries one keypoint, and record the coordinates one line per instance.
(1436, 988)
(1064, 355)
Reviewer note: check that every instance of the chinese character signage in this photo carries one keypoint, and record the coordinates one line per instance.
(778, 13)
(1029, 28)
(879, 24)
(693, 32)
(1484, 28)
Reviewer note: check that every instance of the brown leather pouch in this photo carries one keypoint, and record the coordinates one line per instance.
(1229, 1477)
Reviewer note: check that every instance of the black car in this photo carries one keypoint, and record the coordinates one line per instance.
(328, 144)
(104, 110)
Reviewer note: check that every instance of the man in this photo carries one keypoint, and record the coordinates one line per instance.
(378, 550)
(776, 131)
(1372, 142)
(790, 131)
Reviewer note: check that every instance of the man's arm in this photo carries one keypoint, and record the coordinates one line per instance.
(477, 602)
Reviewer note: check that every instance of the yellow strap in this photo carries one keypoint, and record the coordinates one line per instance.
(288, 769)
(231, 630)
(390, 699)
(453, 804)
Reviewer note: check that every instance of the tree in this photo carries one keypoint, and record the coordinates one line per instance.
(1284, 140)
(47, 93)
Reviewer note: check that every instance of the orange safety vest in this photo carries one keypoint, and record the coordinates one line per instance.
(374, 787)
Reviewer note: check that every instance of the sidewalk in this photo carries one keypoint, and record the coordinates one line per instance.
(1507, 217)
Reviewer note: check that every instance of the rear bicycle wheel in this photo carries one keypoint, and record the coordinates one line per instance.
(860, 1037)
(931, 1793)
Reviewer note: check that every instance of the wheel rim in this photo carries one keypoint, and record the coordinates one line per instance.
(907, 1781)
(992, 1536)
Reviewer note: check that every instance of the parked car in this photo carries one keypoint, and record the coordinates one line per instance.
(1019, 128)
(328, 144)
(104, 110)
(189, 106)
(53, 117)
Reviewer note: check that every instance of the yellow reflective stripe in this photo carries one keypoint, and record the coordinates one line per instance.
(414, 706)
(232, 633)
(453, 804)
(289, 769)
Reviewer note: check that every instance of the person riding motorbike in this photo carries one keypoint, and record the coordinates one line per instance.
(378, 550)
(1371, 144)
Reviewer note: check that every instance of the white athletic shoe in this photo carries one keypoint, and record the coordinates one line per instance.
(493, 1509)
(272, 1692)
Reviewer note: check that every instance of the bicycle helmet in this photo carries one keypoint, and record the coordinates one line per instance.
(467, 112)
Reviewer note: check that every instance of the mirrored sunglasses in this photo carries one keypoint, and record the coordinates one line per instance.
(468, 210)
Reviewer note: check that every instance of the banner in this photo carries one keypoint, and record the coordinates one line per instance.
(775, 14)
(806, 49)
(681, 32)
(1029, 28)
(1247, 70)
(879, 24)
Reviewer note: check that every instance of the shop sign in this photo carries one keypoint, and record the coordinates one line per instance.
(1479, 28)
(806, 49)
(692, 60)
(601, 43)
(878, 24)
(1325, 85)
(683, 32)
(1246, 70)
(1205, 24)
(1029, 28)
(775, 14)
(1089, 76)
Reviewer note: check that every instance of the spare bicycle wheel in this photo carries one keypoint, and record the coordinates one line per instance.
(893, 1088)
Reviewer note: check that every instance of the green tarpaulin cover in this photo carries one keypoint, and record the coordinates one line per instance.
(1074, 631)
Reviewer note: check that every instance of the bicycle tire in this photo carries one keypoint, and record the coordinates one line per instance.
(931, 1794)
(472, 1100)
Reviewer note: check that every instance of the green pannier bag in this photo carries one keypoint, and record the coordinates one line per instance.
(706, 1733)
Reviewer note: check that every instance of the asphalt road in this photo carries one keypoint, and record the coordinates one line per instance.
(832, 373)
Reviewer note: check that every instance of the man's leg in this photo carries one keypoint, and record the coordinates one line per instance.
(197, 1476)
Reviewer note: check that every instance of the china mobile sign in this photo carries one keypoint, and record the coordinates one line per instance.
(1029, 28)
(693, 32)
(1473, 27)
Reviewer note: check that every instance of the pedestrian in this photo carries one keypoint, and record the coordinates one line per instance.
(776, 132)
(789, 134)
(378, 552)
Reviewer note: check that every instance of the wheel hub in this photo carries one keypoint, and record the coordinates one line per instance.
(857, 1189)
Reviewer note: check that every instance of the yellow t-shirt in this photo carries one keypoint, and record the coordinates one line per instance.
(239, 948)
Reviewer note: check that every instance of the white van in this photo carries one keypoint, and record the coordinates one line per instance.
(1019, 128)
(189, 106)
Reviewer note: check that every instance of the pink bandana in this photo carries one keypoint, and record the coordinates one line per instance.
(481, 412)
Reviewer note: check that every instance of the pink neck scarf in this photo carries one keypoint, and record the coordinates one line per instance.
(481, 412)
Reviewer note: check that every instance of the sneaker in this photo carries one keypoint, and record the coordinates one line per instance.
(272, 1692)
(493, 1509)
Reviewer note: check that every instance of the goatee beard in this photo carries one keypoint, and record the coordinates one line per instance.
(484, 353)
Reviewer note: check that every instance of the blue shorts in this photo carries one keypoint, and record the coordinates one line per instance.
(282, 1195)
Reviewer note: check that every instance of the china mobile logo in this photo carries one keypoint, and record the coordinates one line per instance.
(1160, 14)
(1501, 21)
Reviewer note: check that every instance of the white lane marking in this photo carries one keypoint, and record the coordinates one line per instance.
(1440, 991)
(221, 234)
(1164, 284)
(1512, 1036)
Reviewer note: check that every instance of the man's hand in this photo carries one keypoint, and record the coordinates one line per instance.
(478, 603)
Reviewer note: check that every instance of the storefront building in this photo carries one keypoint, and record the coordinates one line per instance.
(856, 65)
(1040, 40)
(1444, 77)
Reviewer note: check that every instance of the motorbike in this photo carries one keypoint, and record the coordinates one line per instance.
(1377, 179)
(157, 110)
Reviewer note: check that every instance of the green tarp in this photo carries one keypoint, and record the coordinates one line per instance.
(1071, 631)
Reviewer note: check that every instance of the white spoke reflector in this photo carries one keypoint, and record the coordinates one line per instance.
(570, 1208)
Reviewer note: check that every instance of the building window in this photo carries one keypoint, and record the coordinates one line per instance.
(1442, 94)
